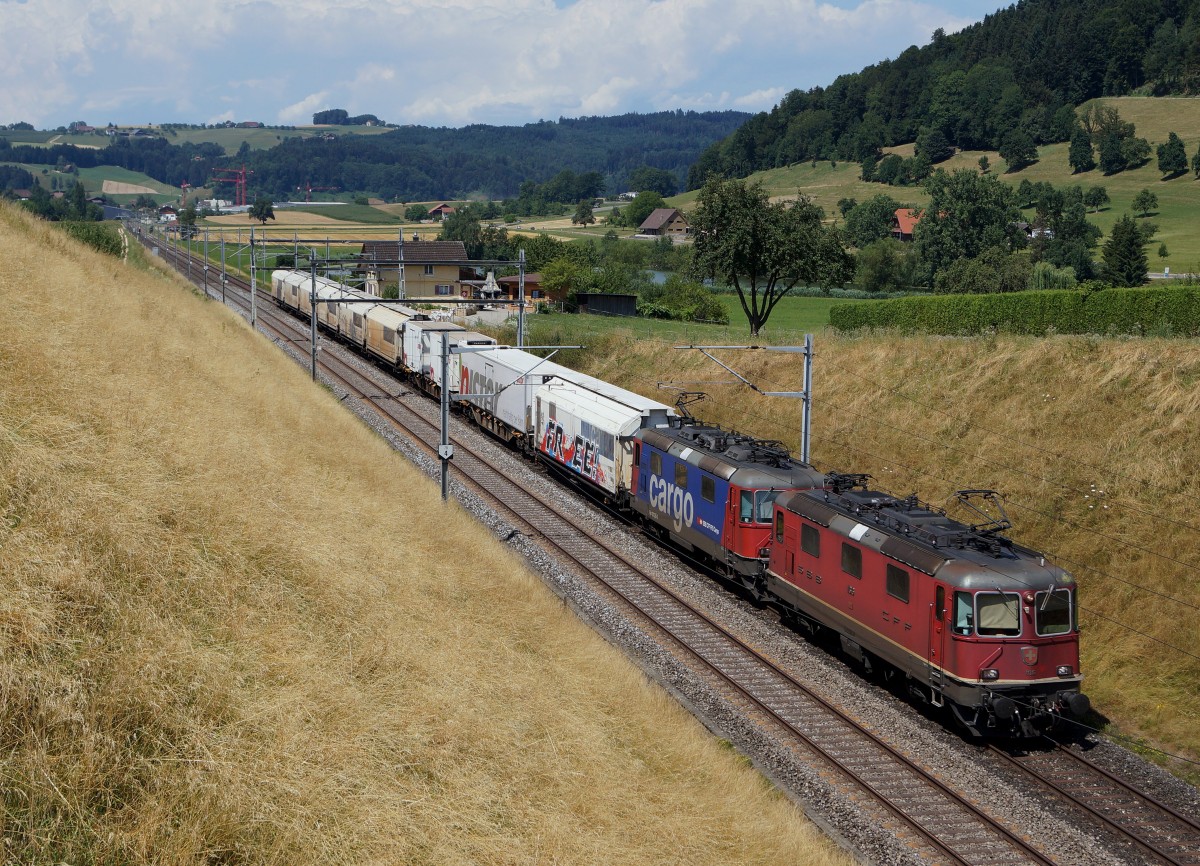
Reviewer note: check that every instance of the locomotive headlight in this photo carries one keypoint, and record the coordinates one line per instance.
(764, 552)
(989, 674)
(1064, 670)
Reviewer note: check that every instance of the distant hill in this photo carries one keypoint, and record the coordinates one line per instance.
(1024, 67)
(410, 163)
(416, 163)
(1179, 198)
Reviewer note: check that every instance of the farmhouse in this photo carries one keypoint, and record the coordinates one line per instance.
(430, 267)
(441, 211)
(665, 221)
(903, 223)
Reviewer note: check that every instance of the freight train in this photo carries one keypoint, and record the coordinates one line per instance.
(961, 615)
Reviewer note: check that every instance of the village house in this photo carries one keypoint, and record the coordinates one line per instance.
(430, 267)
(904, 220)
(441, 211)
(665, 221)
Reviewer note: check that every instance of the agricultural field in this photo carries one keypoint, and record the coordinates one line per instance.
(231, 139)
(94, 179)
(202, 667)
(1179, 199)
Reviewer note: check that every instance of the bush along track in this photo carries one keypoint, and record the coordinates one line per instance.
(1165, 311)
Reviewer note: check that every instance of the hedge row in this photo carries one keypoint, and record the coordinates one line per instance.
(101, 236)
(1173, 310)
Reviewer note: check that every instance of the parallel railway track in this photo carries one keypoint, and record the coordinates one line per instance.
(917, 807)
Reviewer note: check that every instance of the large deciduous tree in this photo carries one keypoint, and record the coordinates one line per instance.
(1125, 262)
(1080, 155)
(763, 249)
(967, 214)
(1172, 156)
(262, 210)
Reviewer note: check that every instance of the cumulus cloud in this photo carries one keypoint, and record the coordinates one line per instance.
(450, 62)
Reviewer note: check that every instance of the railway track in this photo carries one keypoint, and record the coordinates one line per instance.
(1163, 833)
(923, 811)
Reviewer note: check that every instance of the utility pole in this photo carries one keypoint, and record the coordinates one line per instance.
(206, 263)
(253, 283)
(223, 277)
(445, 449)
(521, 298)
(312, 305)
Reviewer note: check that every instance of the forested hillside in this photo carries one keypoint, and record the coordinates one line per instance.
(417, 163)
(1019, 71)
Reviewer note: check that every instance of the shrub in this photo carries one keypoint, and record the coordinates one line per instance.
(101, 236)
(1173, 309)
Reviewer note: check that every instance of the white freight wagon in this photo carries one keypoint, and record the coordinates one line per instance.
(590, 433)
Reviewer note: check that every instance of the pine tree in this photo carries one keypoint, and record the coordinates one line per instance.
(1080, 154)
(1172, 156)
(1125, 262)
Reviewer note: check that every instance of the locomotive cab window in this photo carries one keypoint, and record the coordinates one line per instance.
(708, 489)
(655, 463)
(964, 613)
(779, 526)
(897, 583)
(746, 511)
(810, 540)
(851, 560)
(765, 503)
(998, 613)
(681, 475)
(1053, 612)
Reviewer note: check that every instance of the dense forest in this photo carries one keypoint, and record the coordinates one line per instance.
(1021, 70)
(416, 163)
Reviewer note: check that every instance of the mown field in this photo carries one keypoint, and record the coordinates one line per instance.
(1179, 199)
(231, 632)
(1093, 442)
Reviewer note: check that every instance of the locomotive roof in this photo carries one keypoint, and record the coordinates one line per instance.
(925, 538)
(736, 457)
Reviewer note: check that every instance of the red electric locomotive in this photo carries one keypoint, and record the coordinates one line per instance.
(970, 619)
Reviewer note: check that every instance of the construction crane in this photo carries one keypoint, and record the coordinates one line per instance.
(238, 176)
(308, 190)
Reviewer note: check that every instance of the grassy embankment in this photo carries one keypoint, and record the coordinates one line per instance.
(1094, 441)
(1179, 199)
(236, 627)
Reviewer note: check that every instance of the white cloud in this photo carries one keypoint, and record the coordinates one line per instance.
(301, 111)
(449, 62)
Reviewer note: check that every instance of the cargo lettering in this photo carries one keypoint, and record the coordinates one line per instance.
(474, 382)
(673, 501)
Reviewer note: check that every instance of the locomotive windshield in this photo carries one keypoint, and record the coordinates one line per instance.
(1054, 612)
(998, 613)
(757, 505)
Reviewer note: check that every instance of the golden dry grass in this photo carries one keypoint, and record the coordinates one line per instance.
(236, 628)
(1095, 441)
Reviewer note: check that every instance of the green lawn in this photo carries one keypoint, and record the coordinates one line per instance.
(792, 319)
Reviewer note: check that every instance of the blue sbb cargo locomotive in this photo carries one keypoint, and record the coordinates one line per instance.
(968, 618)
(711, 492)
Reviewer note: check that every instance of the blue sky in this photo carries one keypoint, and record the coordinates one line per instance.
(437, 62)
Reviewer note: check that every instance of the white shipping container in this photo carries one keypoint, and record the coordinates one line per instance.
(508, 379)
(589, 433)
(435, 340)
(418, 356)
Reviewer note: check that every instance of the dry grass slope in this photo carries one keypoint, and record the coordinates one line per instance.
(1094, 440)
(230, 632)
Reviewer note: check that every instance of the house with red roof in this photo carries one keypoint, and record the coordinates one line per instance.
(903, 223)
